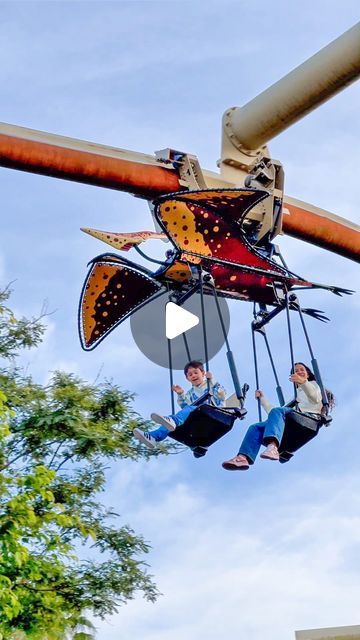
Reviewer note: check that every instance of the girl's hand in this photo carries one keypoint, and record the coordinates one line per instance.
(179, 390)
(297, 379)
(259, 393)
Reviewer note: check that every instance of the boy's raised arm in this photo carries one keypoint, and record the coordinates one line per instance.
(181, 396)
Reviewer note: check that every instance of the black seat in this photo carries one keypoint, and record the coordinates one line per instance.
(204, 426)
(299, 429)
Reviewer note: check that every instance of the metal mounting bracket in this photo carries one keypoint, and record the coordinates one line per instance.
(187, 166)
(254, 168)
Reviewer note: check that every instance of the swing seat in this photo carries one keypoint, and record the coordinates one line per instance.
(299, 429)
(206, 425)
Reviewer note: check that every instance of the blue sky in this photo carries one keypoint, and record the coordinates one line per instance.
(256, 554)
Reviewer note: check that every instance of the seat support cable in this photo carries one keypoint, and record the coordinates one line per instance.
(186, 344)
(258, 325)
(143, 255)
(170, 368)
(204, 326)
(171, 377)
(314, 362)
(290, 340)
(229, 353)
(256, 369)
(279, 391)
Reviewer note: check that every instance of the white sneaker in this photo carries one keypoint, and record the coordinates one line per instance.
(166, 421)
(145, 438)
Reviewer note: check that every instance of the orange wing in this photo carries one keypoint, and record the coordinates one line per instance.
(112, 292)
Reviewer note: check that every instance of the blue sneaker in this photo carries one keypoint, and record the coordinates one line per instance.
(145, 438)
(166, 421)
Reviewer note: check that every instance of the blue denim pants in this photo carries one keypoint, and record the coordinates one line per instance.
(260, 432)
(179, 418)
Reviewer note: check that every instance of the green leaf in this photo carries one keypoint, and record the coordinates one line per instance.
(55, 445)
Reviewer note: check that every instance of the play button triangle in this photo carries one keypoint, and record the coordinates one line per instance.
(178, 320)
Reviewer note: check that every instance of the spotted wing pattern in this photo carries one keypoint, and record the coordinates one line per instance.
(233, 282)
(177, 272)
(113, 290)
(124, 241)
(235, 203)
(208, 224)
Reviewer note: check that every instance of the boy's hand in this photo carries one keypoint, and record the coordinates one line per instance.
(259, 393)
(179, 390)
(208, 375)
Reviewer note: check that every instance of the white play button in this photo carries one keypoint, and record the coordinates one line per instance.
(153, 336)
(178, 320)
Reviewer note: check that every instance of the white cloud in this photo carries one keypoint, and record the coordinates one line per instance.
(248, 555)
(2, 269)
(262, 562)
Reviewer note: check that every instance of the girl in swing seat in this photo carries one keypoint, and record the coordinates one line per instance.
(270, 431)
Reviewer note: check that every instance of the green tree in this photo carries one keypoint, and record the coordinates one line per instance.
(61, 551)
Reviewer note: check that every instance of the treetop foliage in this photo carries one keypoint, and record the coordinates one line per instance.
(55, 443)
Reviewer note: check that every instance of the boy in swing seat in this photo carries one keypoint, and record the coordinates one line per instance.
(195, 373)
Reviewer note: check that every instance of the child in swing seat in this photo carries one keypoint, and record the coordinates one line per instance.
(269, 432)
(195, 373)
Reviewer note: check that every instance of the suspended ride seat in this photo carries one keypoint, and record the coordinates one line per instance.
(299, 429)
(206, 425)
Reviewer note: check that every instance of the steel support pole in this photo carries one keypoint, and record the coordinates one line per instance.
(309, 85)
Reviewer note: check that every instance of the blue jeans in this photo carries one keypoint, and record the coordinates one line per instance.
(261, 432)
(179, 418)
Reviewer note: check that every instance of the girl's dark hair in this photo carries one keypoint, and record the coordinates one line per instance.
(331, 399)
(330, 395)
(308, 371)
(194, 364)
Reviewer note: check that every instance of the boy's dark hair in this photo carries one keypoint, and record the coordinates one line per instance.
(194, 364)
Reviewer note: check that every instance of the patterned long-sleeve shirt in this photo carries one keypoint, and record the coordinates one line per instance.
(218, 394)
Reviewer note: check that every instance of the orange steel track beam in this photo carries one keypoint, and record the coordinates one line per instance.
(145, 180)
(139, 174)
(321, 229)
